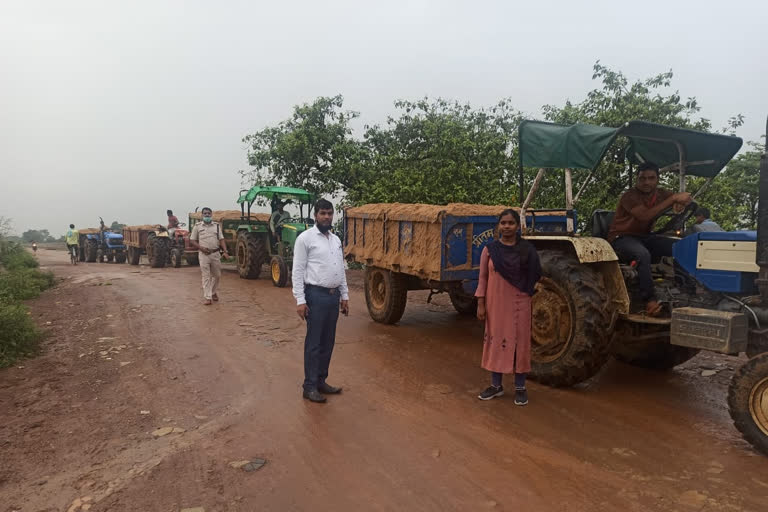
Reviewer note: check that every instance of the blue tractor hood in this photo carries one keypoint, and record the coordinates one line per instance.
(686, 253)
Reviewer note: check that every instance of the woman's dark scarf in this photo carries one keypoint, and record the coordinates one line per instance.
(518, 264)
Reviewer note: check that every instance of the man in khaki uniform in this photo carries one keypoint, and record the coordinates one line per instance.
(207, 237)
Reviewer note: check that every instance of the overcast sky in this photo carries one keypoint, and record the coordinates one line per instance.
(127, 108)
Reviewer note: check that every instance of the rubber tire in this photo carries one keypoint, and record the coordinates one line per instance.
(463, 304)
(655, 354)
(395, 295)
(252, 246)
(282, 279)
(159, 252)
(134, 255)
(120, 257)
(81, 251)
(192, 259)
(742, 382)
(110, 258)
(588, 347)
(176, 257)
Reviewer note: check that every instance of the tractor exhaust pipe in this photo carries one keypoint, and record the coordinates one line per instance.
(762, 227)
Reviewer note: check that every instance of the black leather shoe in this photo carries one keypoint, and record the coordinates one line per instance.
(314, 396)
(327, 389)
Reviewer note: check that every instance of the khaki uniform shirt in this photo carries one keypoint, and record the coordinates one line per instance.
(207, 235)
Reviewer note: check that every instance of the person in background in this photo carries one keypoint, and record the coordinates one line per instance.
(509, 271)
(72, 239)
(703, 222)
(173, 221)
(320, 288)
(208, 238)
(34, 247)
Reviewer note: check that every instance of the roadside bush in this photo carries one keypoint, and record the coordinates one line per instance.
(20, 280)
(19, 336)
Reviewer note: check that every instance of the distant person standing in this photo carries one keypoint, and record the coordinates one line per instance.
(509, 271)
(72, 240)
(703, 222)
(34, 247)
(208, 238)
(320, 288)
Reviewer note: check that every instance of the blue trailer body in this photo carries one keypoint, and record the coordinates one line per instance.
(397, 243)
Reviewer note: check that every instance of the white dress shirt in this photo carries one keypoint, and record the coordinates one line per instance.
(318, 260)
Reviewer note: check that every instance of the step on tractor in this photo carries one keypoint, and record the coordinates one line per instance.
(587, 307)
(258, 239)
(149, 239)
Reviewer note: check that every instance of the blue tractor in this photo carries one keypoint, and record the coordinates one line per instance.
(713, 289)
(104, 245)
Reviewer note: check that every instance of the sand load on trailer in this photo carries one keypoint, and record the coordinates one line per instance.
(142, 227)
(88, 231)
(221, 215)
(408, 236)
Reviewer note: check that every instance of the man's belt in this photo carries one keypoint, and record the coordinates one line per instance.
(323, 288)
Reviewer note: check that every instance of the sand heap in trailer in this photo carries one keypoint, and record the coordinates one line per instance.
(222, 215)
(88, 231)
(405, 236)
(142, 227)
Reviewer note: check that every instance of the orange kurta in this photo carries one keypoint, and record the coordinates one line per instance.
(507, 340)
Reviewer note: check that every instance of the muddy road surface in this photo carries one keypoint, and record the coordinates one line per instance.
(145, 400)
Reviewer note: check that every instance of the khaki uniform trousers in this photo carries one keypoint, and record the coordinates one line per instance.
(210, 267)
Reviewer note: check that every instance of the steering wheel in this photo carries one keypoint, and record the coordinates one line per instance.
(677, 220)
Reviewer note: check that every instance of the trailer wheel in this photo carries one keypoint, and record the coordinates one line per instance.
(251, 254)
(176, 257)
(748, 401)
(463, 304)
(385, 295)
(91, 251)
(279, 271)
(157, 247)
(192, 259)
(134, 255)
(570, 326)
(647, 346)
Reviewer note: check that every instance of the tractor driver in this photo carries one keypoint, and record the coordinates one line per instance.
(278, 217)
(630, 232)
(173, 223)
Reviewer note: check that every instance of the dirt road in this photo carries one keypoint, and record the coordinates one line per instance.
(131, 351)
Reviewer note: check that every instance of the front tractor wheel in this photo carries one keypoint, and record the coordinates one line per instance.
(157, 251)
(463, 303)
(176, 257)
(278, 269)
(570, 326)
(385, 295)
(192, 259)
(251, 253)
(748, 401)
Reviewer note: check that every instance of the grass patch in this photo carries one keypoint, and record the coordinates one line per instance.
(20, 279)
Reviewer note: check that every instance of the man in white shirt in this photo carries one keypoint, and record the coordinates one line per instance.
(320, 288)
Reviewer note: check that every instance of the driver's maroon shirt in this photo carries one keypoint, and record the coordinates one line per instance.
(624, 223)
(173, 221)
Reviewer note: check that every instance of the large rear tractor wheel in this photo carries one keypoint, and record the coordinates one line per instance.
(748, 401)
(192, 259)
(570, 330)
(251, 253)
(176, 257)
(157, 251)
(463, 304)
(91, 251)
(279, 271)
(385, 294)
(81, 252)
(647, 346)
(134, 255)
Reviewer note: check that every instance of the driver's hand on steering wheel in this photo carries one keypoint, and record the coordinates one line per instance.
(683, 198)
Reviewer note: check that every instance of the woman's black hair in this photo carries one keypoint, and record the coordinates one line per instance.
(512, 212)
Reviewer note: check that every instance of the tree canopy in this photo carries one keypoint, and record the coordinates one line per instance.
(439, 151)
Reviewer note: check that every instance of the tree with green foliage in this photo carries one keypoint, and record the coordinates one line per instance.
(302, 150)
(37, 235)
(437, 152)
(116, 226)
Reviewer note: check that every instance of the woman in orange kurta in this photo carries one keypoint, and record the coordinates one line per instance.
(509, 270)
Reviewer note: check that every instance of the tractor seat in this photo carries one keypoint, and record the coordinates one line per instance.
(601, 222)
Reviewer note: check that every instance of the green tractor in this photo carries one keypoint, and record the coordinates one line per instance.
(259, 239)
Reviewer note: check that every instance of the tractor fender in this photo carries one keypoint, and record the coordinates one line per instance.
(598, 254)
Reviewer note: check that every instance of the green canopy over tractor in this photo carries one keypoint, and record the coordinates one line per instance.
(248, 196)
(582, 146)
